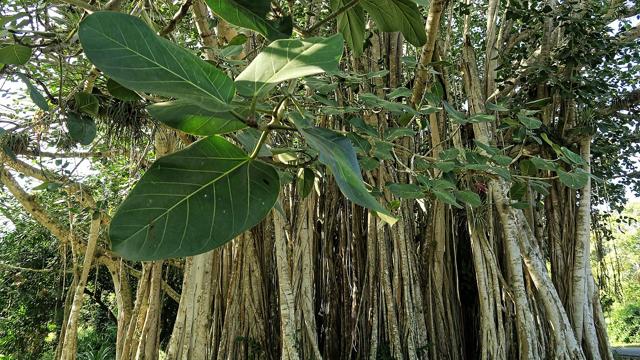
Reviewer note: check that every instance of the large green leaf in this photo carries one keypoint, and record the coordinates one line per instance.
(289, 59)
(398, 15)
(252, 14)
(192, 201)
(351, 25)
(337, 153)
(15, 54)
(127, 50)
(193, 119)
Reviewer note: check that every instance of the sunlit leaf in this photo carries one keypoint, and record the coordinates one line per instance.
(289, 59)
(576, 179)
(398, 15)
(351, 24)
(469, 197)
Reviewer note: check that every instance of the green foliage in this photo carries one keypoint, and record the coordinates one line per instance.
(351, 24)
(87, 103)
(398, 15)
(82, 128)
(29, 300)
(289, 59)
(252, 14)
(625, 323)
(15, 54)
(337, 153)
(193, 119)
(127, 50)
(192, 201)
(34, 94)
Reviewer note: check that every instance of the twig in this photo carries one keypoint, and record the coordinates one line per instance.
(81, 4)
(184, 9)
(331, 16)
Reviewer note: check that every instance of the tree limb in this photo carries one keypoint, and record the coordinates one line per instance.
(184, 9)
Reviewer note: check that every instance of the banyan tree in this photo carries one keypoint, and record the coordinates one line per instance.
(363, 179)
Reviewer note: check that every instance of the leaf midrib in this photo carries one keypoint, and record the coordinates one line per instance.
(168, 210)
(289, 61)
(157, 63)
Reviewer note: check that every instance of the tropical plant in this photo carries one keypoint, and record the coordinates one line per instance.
(424, 192)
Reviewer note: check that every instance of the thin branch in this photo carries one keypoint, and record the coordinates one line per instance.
(171, 292)
(81, 4)
(331, 16)
(623, 103)
(184, 9)
(20, 268)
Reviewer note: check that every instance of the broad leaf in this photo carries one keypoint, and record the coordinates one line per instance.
(252, 14)
(127, 50)
(289, 59)
(351, 24)
(543, 164)
(576, 179)
(82, 128)
(192, 201)
(469, 197)
(15, 54)
(529, 122)
(398, 15)
(456, 115)
(573, 157)
(193, 119)
(120, 92)
(87, 103)
(406, 191)
(398, 132)
(397, 108)
(305, 180)
(34, 94)
(446, 197)
(337, 153)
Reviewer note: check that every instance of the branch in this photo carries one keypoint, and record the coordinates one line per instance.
(622, 103)
(331, 16)
(184, 9)
(172, 293)
(433, 24)
(73, 188)
(20, 268)
(32, 207)
(629, 36)
(81, 4)
(73, 154)
(102, 305)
